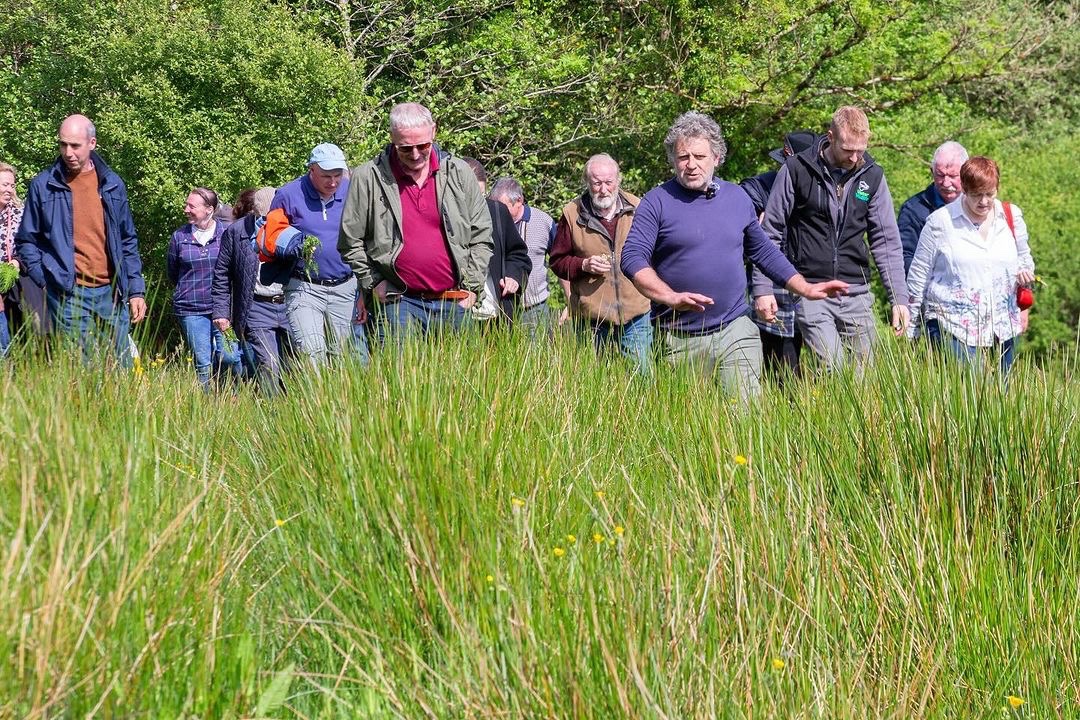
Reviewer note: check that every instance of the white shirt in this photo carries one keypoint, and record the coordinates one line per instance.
(966, 283)
(203, 236)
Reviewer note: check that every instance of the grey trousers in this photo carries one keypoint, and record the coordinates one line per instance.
(321, 319)
(836, 326)
(733, 353)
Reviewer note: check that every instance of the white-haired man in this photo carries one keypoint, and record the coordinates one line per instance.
(416, 230)
(945, 187)
(587, 253)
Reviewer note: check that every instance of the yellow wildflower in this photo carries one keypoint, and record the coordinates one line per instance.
(740, 460)
(279, 522)
(619, 530)
(517, 502)
(599, 494)
(597, 538)
(611, 541)
(1015, 702)
(559, 552)
(490, 579)
(571, 539)
(777, 664)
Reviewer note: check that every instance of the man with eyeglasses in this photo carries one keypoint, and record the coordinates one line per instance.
(416, 230)
(587, 252)
(945, 172)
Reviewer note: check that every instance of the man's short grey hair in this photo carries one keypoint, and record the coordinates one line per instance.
(949, 150)
(600, 157)
(507, 188)
(695, 125)
(406, 116)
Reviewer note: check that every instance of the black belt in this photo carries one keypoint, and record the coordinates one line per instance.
(276, 299)
(325, 283)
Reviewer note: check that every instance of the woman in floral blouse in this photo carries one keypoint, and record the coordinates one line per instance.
(972, 256)
(10, 216)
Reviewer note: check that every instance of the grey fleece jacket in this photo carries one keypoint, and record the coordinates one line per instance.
(881, 229)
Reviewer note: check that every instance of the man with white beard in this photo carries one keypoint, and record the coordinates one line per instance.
(587, 252)
(945, 171)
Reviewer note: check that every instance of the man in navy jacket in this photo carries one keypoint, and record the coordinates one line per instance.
(77, 240)
(945, 170)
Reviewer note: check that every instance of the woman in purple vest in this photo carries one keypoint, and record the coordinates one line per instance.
(193, 252)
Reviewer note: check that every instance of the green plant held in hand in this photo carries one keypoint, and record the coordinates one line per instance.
(230, 335)
(307, 254)
(9, 275)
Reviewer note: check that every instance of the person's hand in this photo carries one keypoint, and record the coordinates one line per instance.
(596, 264)
(1025, 318)
(563, 316)
(360, 313)
(15, 263)
(469, 301)
(383, 294)
(509, 286)
(137, 306)
(827, 289)
(765, 307)
(1025, 277)
(222, 324)
(901, 318)
(688, 301)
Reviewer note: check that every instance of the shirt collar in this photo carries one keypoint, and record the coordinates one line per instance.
(309, 189)
(956, 210)
(399, 172)
(526, 214)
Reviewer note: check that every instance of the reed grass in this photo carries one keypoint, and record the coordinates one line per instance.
(480, 527)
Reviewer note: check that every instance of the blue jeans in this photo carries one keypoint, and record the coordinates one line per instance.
(94, 318)
(209, 349)
(5, 336)
(634, 339)
(970, 354)
(413, 315)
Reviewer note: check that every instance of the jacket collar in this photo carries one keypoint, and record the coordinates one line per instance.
(623, 207)
(813, 159)
(105, 176)
(188, 231)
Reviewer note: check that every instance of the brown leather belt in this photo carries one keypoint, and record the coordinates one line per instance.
(444, 295)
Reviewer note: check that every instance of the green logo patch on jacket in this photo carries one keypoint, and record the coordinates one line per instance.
(862, 193)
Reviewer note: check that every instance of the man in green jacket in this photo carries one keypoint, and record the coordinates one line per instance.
(415, 229)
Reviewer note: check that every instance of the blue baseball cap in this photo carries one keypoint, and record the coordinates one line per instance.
(328, 156)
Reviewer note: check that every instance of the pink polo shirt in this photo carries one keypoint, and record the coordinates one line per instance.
(424, 264)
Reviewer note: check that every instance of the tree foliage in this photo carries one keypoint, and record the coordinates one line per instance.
(233, 94)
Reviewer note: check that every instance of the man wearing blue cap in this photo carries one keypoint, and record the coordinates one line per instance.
(321, 294)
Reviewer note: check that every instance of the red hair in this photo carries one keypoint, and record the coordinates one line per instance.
(979, 175)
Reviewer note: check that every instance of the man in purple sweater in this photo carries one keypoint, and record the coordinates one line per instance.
(685, 253)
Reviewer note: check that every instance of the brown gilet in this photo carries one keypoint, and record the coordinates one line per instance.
(611, 297)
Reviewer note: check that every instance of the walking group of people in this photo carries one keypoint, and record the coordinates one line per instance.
(728, 277)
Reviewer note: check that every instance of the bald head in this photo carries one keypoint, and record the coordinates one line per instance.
(76, 140)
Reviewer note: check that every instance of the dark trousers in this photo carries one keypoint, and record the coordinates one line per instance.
(270, 342)
(781, 355)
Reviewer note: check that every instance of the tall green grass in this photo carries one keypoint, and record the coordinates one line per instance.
(396, 541)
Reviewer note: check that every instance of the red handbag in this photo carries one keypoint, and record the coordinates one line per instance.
(1025, 298)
